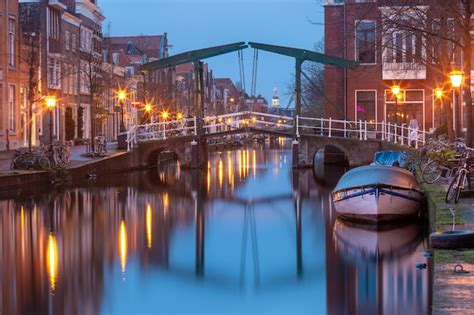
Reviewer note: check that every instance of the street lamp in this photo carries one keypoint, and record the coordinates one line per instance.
(457, 78)
(396, 90)
(122, 95)
(148, 108)
(438, 93)
(50, 102)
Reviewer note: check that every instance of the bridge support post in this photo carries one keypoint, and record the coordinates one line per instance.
(195, 163)
(295, 156)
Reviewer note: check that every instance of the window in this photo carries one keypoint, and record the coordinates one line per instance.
(54, 74)
(11, 42)
(66, 39)
(365, 105)
(365, 42)
(86, 40)
(12, 108)
(74, 42)
(53, 25)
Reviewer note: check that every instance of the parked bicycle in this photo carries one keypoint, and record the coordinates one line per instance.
(462, 177)
(37, 159)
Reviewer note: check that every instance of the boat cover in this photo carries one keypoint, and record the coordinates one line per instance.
(371, 175)
(390, 157)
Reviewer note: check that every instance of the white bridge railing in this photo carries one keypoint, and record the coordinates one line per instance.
(362, 130)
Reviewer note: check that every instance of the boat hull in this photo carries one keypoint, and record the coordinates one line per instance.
(377, 204)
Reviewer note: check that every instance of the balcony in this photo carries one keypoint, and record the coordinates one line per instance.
(403, 71)
(58, 4)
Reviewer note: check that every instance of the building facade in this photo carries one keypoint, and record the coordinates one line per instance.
(70, 64)
(388, 55)
(12, 87)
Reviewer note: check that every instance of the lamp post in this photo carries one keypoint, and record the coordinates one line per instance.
(122, 95)
(50, 105)
(396, 92)
(165, 116)
(457, 78)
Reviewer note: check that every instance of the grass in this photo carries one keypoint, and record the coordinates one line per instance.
(449, 256)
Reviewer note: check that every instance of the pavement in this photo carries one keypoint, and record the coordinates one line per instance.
(78, 158)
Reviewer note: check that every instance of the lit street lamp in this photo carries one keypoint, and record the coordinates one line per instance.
(50, 102)
(457, 78)
(122, 95)
(438, 92)
(396, 92)
(148, 108)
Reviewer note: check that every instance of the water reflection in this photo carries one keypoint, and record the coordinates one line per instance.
(244, 235)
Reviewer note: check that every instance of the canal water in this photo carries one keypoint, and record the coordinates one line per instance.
(246, 235)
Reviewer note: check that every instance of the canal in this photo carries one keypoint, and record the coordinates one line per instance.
(246, 235)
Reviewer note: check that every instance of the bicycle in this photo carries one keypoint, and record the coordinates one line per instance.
(462, 176)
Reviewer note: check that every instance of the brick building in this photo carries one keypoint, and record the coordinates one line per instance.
(228, 98)
(70, 37)
(12, 88)
(357, 30)
(185, 90)
(256, 103)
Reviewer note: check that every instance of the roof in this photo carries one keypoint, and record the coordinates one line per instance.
(226, 83)
(152, 45)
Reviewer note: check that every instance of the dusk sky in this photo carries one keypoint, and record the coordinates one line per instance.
(195, 24)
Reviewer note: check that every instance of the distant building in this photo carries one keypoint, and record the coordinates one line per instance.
(228, 97)
(275, 99)
(185, 90)
(256, 103)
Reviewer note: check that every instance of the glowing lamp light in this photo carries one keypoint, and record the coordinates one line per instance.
(220, 119)
(148, 107)
(457, 78)
(254, 118)
(165, 115)
(50, 102)
(180, 116)
(438, 92)
(121, 95)
(396, 90)
(229, 120)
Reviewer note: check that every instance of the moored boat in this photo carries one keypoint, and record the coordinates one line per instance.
(377, 193)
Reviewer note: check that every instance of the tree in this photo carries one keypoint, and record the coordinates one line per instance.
(92, 78)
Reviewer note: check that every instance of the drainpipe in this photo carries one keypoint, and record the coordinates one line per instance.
(345, 57)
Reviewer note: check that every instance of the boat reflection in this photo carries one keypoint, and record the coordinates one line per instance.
(381, 265)
(357, 240)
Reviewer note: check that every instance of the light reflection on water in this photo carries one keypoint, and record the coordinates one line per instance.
(244, 235)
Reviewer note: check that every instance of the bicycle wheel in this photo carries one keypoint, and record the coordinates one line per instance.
(18, 162)
(454, 188)
(431, 172)
(44, 162)
(462, 179)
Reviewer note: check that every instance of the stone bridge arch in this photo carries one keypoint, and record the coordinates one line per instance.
(357, 152)
(147, 152)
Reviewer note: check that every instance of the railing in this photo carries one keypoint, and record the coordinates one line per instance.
(161, 131)
(361, 130)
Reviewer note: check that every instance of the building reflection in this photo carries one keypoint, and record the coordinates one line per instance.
(59, 249)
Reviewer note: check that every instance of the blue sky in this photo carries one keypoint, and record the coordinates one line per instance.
(194, 24)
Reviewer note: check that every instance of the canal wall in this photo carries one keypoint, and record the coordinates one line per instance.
(452, 292)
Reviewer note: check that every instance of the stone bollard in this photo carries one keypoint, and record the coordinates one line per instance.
(295, 157)
(194, 154)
